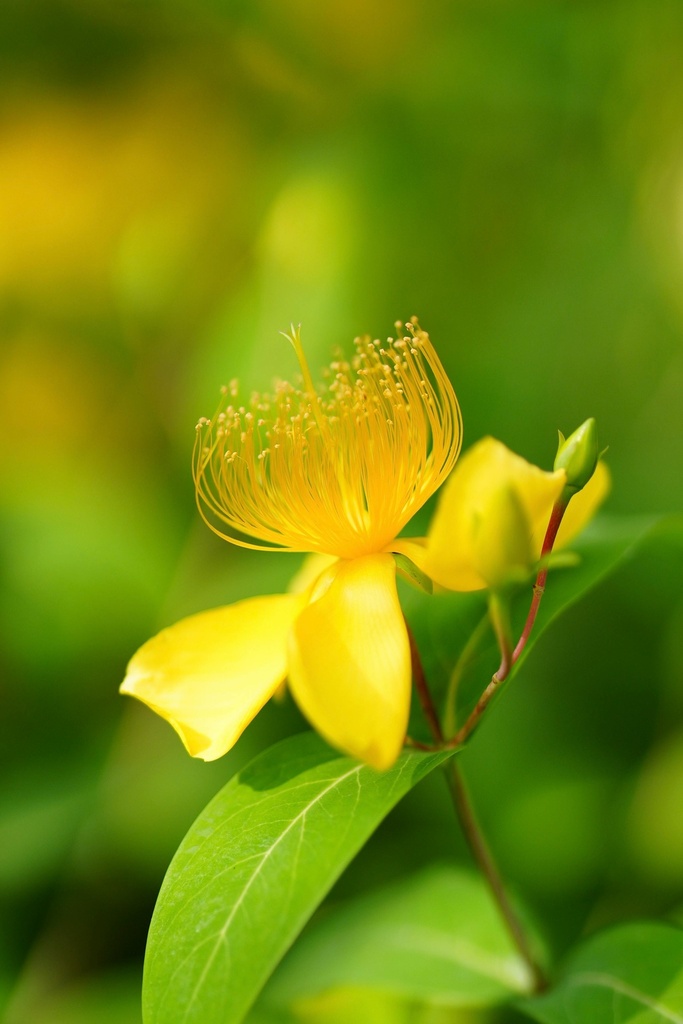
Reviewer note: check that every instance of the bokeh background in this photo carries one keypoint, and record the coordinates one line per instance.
(178, 183)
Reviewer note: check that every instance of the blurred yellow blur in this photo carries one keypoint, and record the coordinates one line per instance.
(106, 197)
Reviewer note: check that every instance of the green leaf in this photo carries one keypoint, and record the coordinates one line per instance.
(437, 937)
(253, 867)
(607, 542)
(633, 973)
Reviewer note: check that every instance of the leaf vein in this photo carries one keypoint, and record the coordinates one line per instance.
(221, 935)
(595, 978)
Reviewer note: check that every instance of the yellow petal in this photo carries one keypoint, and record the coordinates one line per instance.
(453, 556)
(349, 660)
(302, 582)
(584, 505)
(211, 673)
(310, 569)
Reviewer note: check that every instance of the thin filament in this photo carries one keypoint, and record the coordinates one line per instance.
(340, 469)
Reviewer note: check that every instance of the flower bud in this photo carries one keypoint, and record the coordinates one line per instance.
(491, 519)
(578, 455)
(502, 549)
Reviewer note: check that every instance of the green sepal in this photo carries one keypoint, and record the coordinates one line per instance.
(410, 572)
(559, 560)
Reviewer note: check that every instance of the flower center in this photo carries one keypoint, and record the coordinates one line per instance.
(340, 469)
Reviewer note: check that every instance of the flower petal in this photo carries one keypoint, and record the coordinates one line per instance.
(482, 471)
(211, 673)
(349, 660)
(584, 505)
(312, 567)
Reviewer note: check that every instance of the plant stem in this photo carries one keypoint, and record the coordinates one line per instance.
(499, 610)
(559, 509)
(500, 622)
(423, 692)
(466, 816)
(482, 855)
(499, 615)
(473, 721)
(500, 619)
(466, 656)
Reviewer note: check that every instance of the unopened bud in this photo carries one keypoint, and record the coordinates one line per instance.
(578, 456)
(502, 545)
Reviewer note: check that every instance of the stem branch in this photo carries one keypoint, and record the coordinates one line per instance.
(498, 609)
(500, 625)
(466, 657)
(559, 509)
(500, 619)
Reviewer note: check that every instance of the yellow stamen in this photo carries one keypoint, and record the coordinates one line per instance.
(340, 470)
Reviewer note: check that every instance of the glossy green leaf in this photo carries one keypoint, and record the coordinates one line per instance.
(253, 867)
(633, 973)
(437, 937)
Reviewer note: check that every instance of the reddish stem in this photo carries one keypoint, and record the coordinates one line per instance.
(424, 696)
(559, 509)
(499, 615)
(509, 659)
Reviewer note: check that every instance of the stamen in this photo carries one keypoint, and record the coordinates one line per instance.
(352, 462)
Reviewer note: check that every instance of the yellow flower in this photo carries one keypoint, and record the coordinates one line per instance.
(492, 517)
(337, 471)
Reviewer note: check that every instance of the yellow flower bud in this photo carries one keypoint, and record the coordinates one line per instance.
(490, 521)
(494, 512)
(501, 546)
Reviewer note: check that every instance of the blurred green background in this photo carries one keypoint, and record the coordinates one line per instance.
(178, 183)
